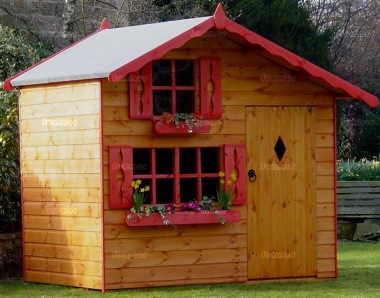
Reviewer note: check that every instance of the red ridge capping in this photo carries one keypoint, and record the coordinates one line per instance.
(219, 17)
(104, 25)
(7, 85)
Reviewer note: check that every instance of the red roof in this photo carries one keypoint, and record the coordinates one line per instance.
(240, 34)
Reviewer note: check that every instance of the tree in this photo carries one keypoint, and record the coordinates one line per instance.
(16, 55)
(355, 52)
(287, 23)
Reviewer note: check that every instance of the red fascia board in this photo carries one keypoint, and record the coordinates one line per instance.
(293, 59)
(7, 85)
(117, 74)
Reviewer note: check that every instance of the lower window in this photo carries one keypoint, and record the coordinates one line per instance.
(177, 175)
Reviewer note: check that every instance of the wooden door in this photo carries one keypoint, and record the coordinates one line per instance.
(281, 202)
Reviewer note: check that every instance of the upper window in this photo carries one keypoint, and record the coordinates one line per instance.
(176, 86)
(173, 86)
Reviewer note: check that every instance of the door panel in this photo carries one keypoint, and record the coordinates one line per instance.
(281, 202)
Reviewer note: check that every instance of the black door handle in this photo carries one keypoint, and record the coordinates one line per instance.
(252, 175)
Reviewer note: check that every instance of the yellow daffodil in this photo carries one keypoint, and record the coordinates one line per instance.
(229, 182)
(222, 181)
(221, 174)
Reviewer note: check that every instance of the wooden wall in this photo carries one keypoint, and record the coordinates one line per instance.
(61, 183)
(211, 253)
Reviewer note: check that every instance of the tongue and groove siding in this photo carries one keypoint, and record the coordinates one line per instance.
(61, 183)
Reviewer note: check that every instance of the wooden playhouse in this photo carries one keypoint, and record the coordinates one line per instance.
(91, 123)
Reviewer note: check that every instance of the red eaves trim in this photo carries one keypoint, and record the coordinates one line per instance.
(7, 85)
(176, 42)
(293, 59)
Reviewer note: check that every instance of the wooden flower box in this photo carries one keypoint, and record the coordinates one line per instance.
(160, 127)
(184, 218)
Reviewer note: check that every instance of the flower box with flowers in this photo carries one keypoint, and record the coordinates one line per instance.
(207, 211)
(180, 123)
(190, 213)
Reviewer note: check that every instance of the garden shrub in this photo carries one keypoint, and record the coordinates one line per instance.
(16, 54)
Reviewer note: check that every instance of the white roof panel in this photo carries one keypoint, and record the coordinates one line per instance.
(103, 52)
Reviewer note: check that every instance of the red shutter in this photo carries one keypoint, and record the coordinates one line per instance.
(140, 93)
(235, 162)
(211, 87)
(120, 176)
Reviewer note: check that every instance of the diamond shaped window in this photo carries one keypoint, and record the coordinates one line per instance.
(280, 148)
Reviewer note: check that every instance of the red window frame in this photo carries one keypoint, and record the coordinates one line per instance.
(174, 87)
(208, 102)
(176, 175)
(232, 159)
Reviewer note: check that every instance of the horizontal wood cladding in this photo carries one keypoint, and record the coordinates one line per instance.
(81, 151)
(62, 109)
(67, 223)
(82, 137)
(75, 238)
(56, 251)
(61, 183)
(171, 273)
(62, 209)
(77, 180)
(170, 258)
(80, 267)
(194, 242)
(59, 92)
(64, 166)
(62, 194)
(181, 282)
(67, 279)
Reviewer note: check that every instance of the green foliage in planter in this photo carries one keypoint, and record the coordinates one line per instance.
(362, 170)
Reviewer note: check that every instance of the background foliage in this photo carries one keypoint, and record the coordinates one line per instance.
(362, 170)
(16, 54)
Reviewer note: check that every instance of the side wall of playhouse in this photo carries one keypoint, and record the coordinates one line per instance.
(61, 183)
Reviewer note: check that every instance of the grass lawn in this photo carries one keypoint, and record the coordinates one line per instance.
(359, 276)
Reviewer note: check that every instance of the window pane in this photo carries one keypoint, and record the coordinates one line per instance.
(187, 160)
(210, 186)
(161, 72)
(141, 161)
(188, 189)
(184, 72)
(185, 101)
(210, 160)
(165, 191)
(162, 101)
(164, 161)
